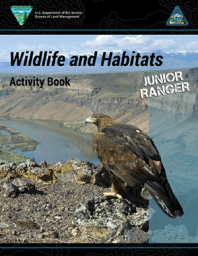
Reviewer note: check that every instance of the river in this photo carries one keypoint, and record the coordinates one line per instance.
(55, 143)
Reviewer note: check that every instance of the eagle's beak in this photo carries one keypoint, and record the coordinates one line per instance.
(90, 120)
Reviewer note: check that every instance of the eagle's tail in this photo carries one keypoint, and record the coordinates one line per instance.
(165, 198)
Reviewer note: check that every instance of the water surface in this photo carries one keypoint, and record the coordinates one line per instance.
(55, 143)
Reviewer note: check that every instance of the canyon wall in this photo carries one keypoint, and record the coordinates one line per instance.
(116, 94)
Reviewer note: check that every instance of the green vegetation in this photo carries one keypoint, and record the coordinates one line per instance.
(8, 154)
(22, 143)
(14, 141)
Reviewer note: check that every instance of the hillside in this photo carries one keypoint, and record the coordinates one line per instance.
(115, 94)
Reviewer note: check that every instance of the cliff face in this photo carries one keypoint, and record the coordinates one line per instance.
(115, 94)
(185, 102)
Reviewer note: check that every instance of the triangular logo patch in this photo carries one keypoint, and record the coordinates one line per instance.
(21, 12)
(177, 18)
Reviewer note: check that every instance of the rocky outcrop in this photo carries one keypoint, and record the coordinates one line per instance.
(11, 188)
(41, 199)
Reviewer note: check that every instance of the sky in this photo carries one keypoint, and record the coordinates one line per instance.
(83, 44)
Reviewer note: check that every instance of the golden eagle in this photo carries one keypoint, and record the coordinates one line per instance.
(131, 157)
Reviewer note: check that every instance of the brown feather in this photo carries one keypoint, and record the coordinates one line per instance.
(131, 155)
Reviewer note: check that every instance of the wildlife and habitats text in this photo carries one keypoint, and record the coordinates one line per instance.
(45, 58)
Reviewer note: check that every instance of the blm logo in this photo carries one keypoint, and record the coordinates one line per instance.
(21, 12)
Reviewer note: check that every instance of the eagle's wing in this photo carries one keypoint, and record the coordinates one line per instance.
(132, 156)
(126, 151)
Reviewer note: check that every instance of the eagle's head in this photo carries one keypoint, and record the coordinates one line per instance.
(101, 121)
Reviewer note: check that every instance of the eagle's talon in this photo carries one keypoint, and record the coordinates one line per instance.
(112, 194)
